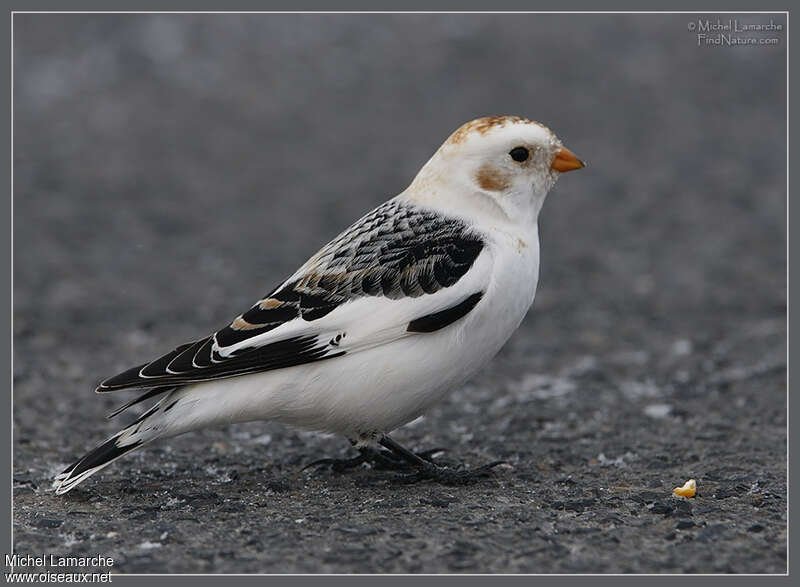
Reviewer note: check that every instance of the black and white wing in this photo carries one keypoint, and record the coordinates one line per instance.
(390, 274)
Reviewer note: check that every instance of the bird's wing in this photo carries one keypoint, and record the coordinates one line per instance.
(390, 274)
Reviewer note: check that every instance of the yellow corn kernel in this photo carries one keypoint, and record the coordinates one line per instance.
(688, 490)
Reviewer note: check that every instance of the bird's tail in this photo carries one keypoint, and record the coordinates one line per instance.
(124, 441)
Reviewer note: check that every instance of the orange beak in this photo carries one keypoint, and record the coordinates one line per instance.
(566, 160)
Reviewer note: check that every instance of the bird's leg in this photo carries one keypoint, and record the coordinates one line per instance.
(426, 469)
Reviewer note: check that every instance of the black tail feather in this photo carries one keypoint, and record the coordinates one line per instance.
(92, 462)
(106, 452)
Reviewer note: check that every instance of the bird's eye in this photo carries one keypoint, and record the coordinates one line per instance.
(519, 154)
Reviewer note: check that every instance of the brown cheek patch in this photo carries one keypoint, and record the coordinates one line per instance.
(492, 179)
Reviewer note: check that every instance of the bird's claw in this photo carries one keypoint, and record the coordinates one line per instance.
(379, 459)
(337, 465)
(447, 476)
(421, 465)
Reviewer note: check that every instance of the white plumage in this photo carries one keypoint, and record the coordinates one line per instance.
(405, 305)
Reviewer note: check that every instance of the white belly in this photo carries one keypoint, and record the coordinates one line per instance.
(381, 388)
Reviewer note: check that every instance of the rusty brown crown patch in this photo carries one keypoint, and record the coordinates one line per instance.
(483, 125)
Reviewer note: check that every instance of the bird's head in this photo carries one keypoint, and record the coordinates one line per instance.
(503, 162)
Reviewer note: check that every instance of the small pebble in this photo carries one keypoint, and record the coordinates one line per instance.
(658, 411)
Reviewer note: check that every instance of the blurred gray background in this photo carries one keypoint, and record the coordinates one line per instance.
(170, 169)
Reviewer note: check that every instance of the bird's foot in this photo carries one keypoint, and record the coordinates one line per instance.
(389, 461)
(338, 465)
(426, 469)
(448, 476)
(378, 459)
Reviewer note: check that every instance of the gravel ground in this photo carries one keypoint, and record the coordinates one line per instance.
(170, 169)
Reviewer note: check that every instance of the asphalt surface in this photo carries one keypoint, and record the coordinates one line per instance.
(169, 170)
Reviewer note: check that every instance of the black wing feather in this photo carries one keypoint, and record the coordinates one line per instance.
(286, 353)
(438, 320)
(396, 251)
(145, 396)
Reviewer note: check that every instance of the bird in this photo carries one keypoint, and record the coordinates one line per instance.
(402, 307)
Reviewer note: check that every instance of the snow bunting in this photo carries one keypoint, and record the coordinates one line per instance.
(402, 307)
